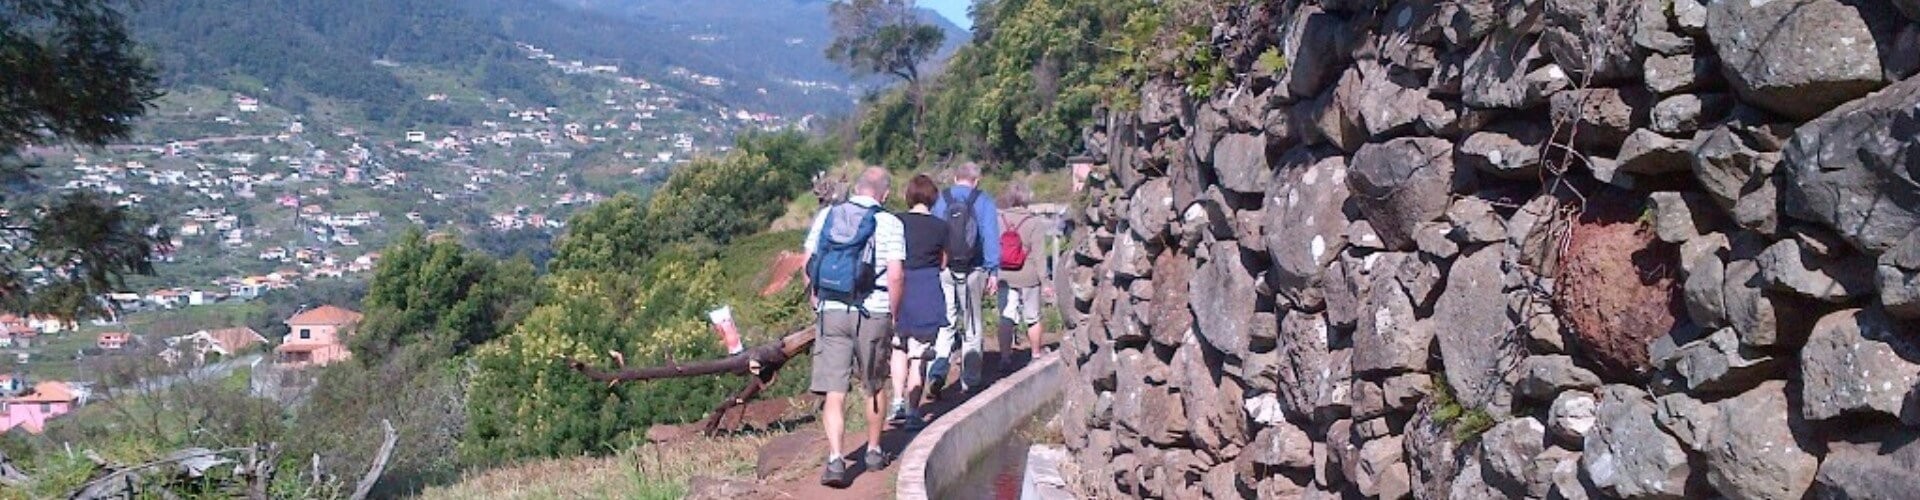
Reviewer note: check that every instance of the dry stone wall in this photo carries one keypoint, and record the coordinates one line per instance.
(1510, 249)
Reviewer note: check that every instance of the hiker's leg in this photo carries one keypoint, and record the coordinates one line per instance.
(1030, 301)
(874, 333)
(914, 382)
(1034, 333)
(976, 284)
(833, 373)
(1008, 316)
(833, 419)
(898, 371)
(943, 343)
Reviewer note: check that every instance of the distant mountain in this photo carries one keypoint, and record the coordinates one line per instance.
(765, 55)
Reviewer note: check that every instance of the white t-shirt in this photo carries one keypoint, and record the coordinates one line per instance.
(889, 244)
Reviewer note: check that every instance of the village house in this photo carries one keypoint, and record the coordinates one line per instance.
(12, 385)
(317, 337)
(113, 341)
(32, 410)
(197, 346)
(16, 332)
(48, 324)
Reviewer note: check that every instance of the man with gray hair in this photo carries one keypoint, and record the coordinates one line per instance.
(973, 267)
(856, 270)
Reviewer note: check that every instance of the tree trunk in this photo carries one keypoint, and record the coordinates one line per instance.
(379, 462)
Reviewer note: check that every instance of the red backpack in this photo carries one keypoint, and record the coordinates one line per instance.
(1013, 252)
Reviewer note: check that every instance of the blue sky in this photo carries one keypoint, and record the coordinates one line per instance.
(954, 10)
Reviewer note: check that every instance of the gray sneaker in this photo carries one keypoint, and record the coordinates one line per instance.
(876, 459)
(836, 474)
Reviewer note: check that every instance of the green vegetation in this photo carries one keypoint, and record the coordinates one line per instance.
(1020, 94)
(1467, 423)
(637, 277)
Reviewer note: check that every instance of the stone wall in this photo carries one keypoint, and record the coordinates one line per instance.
(1510, 248)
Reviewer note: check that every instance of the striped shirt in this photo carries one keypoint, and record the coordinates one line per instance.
(889, 245)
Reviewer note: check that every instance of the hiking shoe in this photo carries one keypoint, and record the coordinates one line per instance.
(836, 474)
(899, 412)
(876, 460)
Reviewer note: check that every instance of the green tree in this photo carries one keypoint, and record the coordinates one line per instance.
(72, 77)
(885, 37)
(1023, 90)
(524, 402)
(435, 295)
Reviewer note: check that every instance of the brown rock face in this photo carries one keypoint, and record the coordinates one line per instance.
(1619, 286)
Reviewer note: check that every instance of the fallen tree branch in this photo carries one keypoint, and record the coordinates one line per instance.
(770, 354)
(379, 462)
(759, 363)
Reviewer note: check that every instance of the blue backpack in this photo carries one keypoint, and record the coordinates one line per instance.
(842, 267)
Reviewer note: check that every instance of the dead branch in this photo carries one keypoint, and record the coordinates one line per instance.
(379, 462)
(748, 362)
(760, 364)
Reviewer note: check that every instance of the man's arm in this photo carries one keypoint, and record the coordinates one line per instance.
(807, 249)
(988, 218)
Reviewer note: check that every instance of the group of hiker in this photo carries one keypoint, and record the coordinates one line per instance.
(899, 295)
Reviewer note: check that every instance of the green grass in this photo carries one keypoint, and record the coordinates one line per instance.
(1467, 423)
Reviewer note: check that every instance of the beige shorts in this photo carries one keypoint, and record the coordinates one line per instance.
(915, 348)
(1023, 305)
(849, 344)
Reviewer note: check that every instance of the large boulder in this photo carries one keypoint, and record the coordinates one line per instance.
(1382, 469)
(1240, 163)
(1509, 150)
(1852, 169)
(1570, 417)
(1312, 378)
(1403, 182)
(1507, 454)
(1599, 117)
(1150, 211)
(1729, 164)
(1898, 273)
(1315, 45)
(1223, 298)
(1879, 468)
(1627, 455)
(1169, 313)
(1617, 290)
(1719, 363)
(1506, 71)
(1856, 362)
(1474, 330)
(1788, 267)
(1798, 58)
(1543, 377)
(1592, 39)
(1388, 339)
(1305, 227)
(1151, 413)
(1755, 453)
(1213, 401)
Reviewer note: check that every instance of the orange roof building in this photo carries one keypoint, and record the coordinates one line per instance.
(317, 337)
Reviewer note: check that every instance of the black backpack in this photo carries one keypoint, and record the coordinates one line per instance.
(963, 233)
